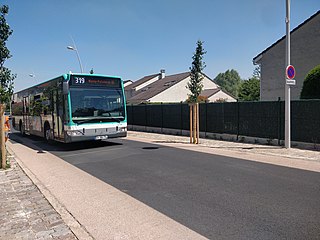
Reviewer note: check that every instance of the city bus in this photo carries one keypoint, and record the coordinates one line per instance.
(72, 108)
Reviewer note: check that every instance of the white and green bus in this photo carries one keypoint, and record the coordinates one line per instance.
(72, 108)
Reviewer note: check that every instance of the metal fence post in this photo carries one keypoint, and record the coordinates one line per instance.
(161, 117)
(145, 112)
(238, 119)
(181, 121)
(279, 121)
(206, 120)
(132, 119)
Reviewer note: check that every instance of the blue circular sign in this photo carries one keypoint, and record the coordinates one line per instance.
(291, 72)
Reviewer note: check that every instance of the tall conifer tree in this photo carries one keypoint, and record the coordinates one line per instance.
(195, 84)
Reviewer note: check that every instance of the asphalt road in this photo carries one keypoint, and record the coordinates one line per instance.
(218, 197)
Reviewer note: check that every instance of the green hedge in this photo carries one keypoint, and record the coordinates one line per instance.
(311, 85)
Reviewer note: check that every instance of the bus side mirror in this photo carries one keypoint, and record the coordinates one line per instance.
(65, 88)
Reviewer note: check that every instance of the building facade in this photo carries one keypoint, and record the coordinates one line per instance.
(305, 55)
(158, 88)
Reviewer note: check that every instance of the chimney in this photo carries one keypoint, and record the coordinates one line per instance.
(162, 73)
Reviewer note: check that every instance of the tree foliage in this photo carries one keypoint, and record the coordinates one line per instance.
(195, 84)
(6, 77)
(249, 90)
(229, 81)
(257, 72)
(311, 85)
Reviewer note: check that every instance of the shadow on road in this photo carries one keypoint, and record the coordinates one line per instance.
(39, 144)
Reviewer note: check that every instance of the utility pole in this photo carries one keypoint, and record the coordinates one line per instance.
(287, 86)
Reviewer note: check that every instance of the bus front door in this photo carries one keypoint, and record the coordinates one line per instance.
(58, 116)
(25, 128)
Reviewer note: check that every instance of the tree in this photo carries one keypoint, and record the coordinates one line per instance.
(6, 78)
(195, 84)
(249, 90)
(229, 81)
(311, 85)
(257, 72)
(6, 88)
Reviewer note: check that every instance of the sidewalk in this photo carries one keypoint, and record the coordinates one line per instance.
(25, 213)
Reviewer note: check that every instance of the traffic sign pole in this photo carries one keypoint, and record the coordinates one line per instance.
(287, 86)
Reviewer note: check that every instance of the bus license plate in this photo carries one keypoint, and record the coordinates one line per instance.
(101, 137)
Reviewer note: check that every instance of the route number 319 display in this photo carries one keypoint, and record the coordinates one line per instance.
(79, 80)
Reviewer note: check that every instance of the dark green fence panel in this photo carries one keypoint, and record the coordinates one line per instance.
(172, 116)
(154, 115)
(230, 118)
(305, 117)
(139, 115)
(129, 114)
(254, 119)
(215, 117)
(259, 119)
(185, 116)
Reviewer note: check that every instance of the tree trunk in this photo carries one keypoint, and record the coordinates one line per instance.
(2, 138)
(198, 124)
(190, 107)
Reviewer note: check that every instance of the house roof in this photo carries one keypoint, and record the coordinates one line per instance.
(209, 92)
(157, 87)
(141, 81)
(295, 29)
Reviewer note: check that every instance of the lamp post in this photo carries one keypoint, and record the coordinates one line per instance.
(75, 49)
(287, 86)
(33, 76)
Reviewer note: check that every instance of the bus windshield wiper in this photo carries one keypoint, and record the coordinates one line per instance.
(96, 119)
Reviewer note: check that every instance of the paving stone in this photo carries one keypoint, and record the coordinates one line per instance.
(24, 211)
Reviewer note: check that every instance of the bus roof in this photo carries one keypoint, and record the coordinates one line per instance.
(66, 77)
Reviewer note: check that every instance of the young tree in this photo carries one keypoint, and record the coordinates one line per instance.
(229, 81)
(195, 84)
(6, 78)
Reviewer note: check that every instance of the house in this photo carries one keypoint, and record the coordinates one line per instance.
(305, 55)
(169, 89)
(127, 82)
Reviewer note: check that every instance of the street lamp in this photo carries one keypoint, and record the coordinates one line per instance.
(75, 49)
(33, 76)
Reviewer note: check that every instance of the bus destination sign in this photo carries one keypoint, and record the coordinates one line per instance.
(82, 81)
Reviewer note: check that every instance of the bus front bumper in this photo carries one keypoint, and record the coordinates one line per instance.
(79, 138)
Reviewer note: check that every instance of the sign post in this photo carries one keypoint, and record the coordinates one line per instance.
(289, 72)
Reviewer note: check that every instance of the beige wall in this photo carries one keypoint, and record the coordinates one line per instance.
(221, 95)
(179, 92)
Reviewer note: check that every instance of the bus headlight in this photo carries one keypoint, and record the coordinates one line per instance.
(122, 129)
(74, 133)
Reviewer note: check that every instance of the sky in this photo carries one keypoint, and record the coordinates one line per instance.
(135, 38)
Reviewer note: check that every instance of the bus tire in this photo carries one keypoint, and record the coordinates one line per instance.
(47, 132)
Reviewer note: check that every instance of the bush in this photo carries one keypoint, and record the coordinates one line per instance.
(311, 85)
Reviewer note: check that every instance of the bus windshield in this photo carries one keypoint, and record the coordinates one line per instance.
(90, 104)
